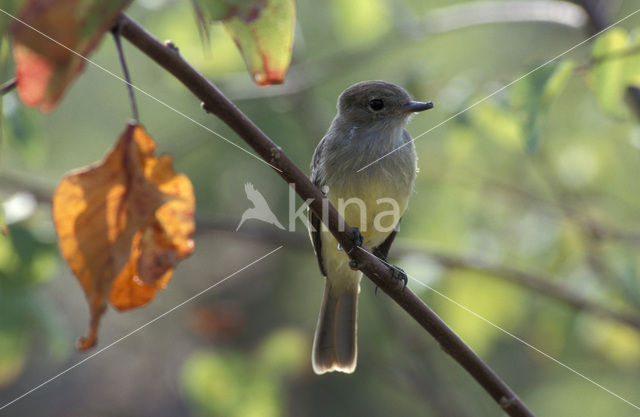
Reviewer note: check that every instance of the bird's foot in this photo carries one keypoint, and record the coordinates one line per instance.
(358, 240)
(396, 272)
(399, 275)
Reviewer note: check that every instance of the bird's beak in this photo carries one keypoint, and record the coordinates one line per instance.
(416, 106)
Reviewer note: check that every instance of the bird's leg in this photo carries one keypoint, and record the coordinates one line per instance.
(357, 242)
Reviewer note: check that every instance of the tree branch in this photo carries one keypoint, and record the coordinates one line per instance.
(536, 282)
(540, 284)
(215, 102)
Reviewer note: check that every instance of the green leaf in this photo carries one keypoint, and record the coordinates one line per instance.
(534, 94)
(609, 75)
(261, 29)
(266, 40)
(556, 83)
(633, 60)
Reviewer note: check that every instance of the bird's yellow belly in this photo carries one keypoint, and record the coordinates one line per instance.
(374, 210)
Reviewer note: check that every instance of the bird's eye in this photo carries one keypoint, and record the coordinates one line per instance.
(376, 104)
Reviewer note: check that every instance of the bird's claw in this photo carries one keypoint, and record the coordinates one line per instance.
(396, 273)
(399, 275)
(358, 240)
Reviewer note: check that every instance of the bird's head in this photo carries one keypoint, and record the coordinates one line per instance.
(370, 102)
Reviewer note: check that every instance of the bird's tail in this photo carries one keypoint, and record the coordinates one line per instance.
(334, 344)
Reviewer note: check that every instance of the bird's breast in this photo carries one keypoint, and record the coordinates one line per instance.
(374, 198)
(375, 207)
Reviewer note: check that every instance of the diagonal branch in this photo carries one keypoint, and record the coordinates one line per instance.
(215, 102)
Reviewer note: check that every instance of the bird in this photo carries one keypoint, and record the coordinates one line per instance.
(260, 209)
(368, 127)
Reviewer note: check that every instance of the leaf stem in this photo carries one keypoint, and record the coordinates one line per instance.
(132, 98)
(8, 86)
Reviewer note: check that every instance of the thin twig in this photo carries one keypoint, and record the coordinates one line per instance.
(538, 283)
(8, 86)
(215, 102)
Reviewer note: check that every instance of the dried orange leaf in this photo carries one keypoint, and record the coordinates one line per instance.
(123, 225)
(44, 64)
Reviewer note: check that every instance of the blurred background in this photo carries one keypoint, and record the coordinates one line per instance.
(526, 212)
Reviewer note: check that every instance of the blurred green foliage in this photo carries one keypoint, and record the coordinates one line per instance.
(235, 384)
(25, 318)
(616, 66)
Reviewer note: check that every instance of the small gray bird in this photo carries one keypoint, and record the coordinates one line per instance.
(369, 124)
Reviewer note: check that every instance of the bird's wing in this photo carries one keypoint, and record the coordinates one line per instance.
(317, 179)
(383, 248)
(317, 175)
(314, 232)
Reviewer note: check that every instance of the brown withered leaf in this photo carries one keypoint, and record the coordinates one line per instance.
(50, 41)
(123, 225)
